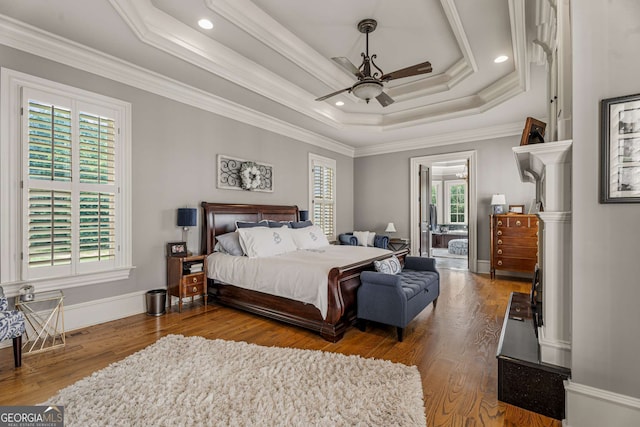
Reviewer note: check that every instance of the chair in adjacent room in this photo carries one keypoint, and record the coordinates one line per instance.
(12, 326)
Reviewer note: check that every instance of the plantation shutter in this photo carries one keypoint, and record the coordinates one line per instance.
(96, 209)
(70, 191)
(323, 195)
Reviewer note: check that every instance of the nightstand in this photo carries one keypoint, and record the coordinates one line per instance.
(397, 244)
(186, 277)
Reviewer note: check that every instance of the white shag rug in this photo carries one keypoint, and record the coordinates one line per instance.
(180, 381)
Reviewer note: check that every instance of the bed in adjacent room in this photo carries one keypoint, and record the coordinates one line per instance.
(314, 287)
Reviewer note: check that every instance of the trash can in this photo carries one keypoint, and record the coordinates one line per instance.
(156, 302)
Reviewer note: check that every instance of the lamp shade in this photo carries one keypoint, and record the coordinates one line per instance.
(391, 228)
(304, 215)
(498, 199)
(187, 217)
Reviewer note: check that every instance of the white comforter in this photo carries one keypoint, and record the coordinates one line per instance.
(300, 275)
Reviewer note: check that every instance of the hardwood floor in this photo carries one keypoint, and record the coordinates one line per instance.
(454, 347)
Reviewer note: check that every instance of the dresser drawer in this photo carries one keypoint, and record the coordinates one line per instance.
(193, 284)
(515, 252)
(515, 264)
(516, 231)
(527, 242)
(517, 221)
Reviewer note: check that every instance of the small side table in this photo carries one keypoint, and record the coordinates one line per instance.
(45, 317)
(182, 282)
(397, 244)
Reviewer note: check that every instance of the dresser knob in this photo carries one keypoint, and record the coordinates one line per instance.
(499, 262)
(536, 233)
(195, 279)
(195, 289)
(499, 222)
(499, 251)
(518, 223)
(499, 232)
(499, 241)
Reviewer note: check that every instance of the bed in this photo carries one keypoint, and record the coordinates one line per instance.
(342, 281)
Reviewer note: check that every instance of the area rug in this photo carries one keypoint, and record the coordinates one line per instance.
(180, 381)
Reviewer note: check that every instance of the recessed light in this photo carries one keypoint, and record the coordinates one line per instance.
(339, 103)
(500, 59)
(205, 23)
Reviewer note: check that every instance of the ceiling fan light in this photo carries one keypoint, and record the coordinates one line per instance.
(367, 89)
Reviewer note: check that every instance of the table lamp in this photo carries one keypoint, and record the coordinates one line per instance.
(497, 201)
(187, 217)
(391, 228)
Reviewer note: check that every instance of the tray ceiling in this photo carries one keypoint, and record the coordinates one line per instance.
(274, 57)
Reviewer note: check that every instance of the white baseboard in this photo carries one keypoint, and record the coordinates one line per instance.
(555, 352)
(103, 310)
(592, 407)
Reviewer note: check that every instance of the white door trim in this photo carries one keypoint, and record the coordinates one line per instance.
(414, 188)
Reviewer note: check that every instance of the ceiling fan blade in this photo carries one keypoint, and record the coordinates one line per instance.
(414, 70)
(384, 99)
(322, 98)
(348, 65)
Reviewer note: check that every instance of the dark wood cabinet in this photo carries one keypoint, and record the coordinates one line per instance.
(441, 240)
(523, 380)
(184, 281)
(514, 243)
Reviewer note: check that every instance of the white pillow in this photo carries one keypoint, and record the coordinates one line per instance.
(262, 242)
(309, 237)
(372, 236)
(362, 236)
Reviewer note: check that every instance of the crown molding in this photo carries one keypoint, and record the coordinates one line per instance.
(154, 27)
(24, 37)
(458, 137)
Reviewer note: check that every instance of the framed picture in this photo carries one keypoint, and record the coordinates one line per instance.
(533, 132)
(517, 209)
(177, 249)
(620, 150)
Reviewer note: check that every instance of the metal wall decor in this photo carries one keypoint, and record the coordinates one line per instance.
(257, 176)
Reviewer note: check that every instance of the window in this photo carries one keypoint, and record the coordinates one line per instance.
(323, 193)
(73, 218)
(456, 201)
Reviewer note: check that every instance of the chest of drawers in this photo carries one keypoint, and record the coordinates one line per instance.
(514, 243)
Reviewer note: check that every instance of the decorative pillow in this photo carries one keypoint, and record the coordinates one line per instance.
(250, 224)
(309, 237)
(278, 224)
(262, 241)
(230, 243)
(388, 265)
(371, 239)
(300, 224)
(362, 236)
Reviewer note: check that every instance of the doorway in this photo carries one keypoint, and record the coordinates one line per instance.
(444, 208)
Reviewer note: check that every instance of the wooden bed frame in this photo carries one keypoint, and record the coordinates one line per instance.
(220, 218)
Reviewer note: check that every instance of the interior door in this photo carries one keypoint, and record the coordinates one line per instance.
(425, 203)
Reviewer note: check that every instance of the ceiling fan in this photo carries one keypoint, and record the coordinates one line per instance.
(370, 85)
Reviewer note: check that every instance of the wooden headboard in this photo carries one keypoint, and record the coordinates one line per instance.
(220, 218)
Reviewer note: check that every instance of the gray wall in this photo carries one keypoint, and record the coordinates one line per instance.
(381, 186)
(175, 147)
(606, 271)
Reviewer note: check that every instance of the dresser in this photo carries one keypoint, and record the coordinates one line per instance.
(514, 243)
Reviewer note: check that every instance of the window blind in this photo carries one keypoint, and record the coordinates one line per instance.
(323, 190)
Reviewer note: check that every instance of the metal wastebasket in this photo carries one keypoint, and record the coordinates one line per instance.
(156, 302)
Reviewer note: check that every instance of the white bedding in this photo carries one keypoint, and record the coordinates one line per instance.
(299, 275)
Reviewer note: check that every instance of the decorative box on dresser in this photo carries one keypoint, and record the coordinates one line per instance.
(514, 242)
(182, 282)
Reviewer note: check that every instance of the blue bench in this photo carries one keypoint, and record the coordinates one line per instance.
(396, 299)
